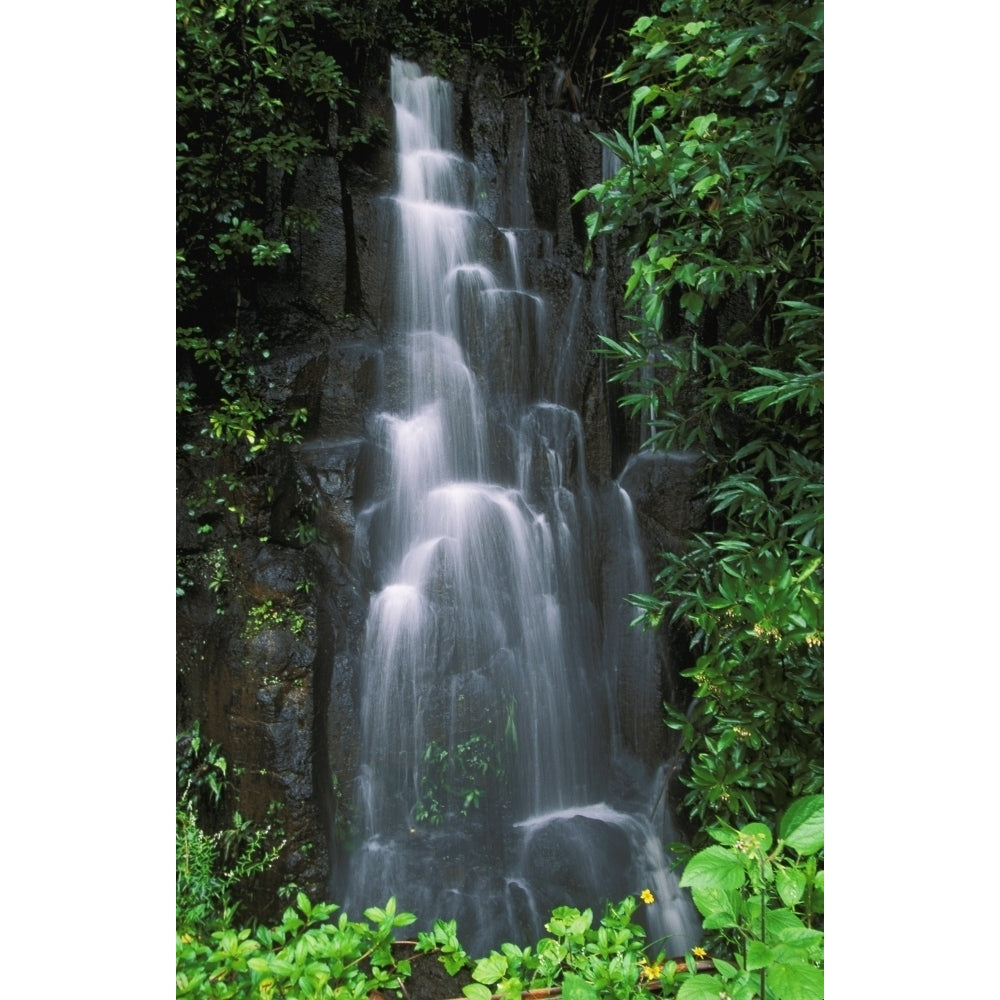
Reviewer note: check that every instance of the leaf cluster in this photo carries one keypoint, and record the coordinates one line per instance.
(202, 770)
(253, 92)
(268, 615)
(760, 897)
(584, 960)
(218, 859)
(308, 955)
(255, 86)
(718, 203)
(454, 782)
(764, 897)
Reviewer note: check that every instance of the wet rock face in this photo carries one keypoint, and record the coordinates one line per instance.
(664, 486)
(269, 659)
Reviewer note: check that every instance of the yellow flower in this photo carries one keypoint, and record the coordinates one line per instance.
(647, 897)
(699, 952)
(652, 971)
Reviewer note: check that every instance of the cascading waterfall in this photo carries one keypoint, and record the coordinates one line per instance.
(495, 781)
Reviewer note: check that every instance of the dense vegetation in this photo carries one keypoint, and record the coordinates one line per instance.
(720, 201)
(718, 205)
(759, 889)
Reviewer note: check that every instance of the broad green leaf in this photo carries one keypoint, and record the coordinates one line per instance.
(758, 955)
(791, 885)
(795, 981)
(714, 868)
(701, 124)
(724, 835)
(718, 908)
(802, 825)
(476, 991)
(726, 969)
(780, 923)
(702, 187)
(581, 922)
(702, 987)
(576, 988)
(490, 969)
(693, 301)
(799, 937)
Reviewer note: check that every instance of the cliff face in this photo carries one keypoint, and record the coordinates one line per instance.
(270, 631)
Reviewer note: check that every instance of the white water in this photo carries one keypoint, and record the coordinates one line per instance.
(497, 619)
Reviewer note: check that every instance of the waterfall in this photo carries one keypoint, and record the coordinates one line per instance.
(495, 780)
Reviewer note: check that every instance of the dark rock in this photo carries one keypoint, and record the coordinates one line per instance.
(664, 488)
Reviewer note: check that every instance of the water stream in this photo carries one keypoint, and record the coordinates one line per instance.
(500, 679)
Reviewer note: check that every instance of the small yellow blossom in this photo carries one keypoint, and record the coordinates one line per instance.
(699, 952)
(652, 971)
(766, 629)
(647, 897)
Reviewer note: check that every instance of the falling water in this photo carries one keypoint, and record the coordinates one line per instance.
(499, 674)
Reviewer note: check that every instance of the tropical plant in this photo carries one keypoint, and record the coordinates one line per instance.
(584, 961)
(718, 204)
(254, 92)
(202, 770)
(217, 860)
(761, 899)
(307, 955)
(765, 898)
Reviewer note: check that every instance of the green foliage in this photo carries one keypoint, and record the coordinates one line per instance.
(759, 896)
(586, 962)
(763, 897)
(454, 782)
(267, 615)
(213, 868)
(201, 768)
(307, 955)
(518, 39)
(209, 568)
(719, 203)
(254, 90)
(529, 40)
(443, 939)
